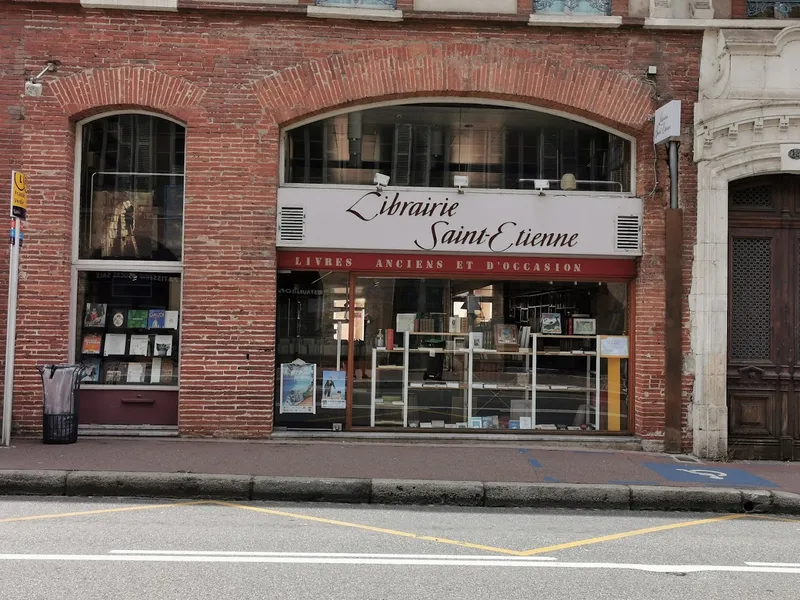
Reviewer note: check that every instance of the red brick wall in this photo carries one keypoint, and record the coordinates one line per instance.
(234, 82)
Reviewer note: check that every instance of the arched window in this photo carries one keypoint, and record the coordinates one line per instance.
(127, 260)
(427, 145)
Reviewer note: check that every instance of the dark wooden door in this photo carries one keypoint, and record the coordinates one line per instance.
(764, 317)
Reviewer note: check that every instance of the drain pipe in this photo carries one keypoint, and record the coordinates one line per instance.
(673, 311)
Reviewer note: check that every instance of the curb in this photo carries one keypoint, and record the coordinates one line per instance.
(396, 491)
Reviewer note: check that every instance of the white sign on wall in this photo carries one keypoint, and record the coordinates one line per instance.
(478, 221)
(667, 127)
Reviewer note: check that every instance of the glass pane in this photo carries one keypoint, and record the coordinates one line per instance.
(132, 185)
(313, 327)
(436, 382)
(128, 327)
(427, 145)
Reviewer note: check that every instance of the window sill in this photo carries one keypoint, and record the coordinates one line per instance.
(358, 14)
(562, 20)
(156, 5)
(678, 24)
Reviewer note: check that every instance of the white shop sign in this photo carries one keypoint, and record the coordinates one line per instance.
(445, 221)
(667, 126)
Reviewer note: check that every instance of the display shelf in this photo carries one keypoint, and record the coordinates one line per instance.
(591, 392)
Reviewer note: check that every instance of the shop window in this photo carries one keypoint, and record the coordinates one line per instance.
(128, 264)
(470, 354)
(428, 145)
(583, 7)
(131, 196)
(781, 9)
(313, 341)
(128, 327)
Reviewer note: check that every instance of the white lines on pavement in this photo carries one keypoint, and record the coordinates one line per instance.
(771, 564)
(322, 555)
(400, 559)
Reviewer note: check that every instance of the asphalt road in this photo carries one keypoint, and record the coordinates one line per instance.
(155, 550)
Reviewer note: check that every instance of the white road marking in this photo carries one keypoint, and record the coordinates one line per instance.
(322, 555)
(428, 560)
(769, 564)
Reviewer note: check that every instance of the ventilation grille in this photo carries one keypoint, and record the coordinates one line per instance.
(291, 225)
(628, 233)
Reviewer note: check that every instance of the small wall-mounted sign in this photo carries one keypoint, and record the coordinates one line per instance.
(667, 126)
(794, 153)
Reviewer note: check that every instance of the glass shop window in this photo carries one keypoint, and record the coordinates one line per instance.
(131, 189)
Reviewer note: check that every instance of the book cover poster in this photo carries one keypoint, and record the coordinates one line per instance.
(91, 343)
(156, 319)
(112, 372)
(95, 315)
(137, 319)
(117, 318)
(334, 389)
(298, 388)
(155, 371)
(135, 372)
(115, 344)
(139, 345)
(163, 345)
(551, 323)
(171, 319)
(91, 371)
(167, 372)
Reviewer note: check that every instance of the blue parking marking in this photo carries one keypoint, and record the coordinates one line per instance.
(548, 479)
(708, 475)
(534, 463)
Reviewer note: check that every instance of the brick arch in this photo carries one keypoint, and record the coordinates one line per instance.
(527, 75)
(94, 90)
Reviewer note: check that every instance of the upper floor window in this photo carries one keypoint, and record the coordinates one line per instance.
(584, 7)
(358, 3)
(427, 145)
(131, 189)
(771, 9)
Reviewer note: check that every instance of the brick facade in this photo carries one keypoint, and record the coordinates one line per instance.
(234, 79)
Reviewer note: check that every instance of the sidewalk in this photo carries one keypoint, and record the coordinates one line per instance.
(604, 477)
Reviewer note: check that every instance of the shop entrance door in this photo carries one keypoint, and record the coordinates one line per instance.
(763, 372)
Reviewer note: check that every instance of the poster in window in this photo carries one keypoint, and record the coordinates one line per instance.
(123, 225)
(334, 389)
(91, 343)
(95, 315)
(298, 387)
(91, 371)
(551, 323)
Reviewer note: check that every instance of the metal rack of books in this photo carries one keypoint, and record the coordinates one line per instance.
(571, 391)
(123, 346)
(426, 377)
(501, 380)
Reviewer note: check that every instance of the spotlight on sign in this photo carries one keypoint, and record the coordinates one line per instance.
(381, 181)
(460, 182)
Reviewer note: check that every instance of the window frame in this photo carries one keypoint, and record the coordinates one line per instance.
(78, 265)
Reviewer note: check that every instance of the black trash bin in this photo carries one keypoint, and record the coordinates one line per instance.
(60, 387)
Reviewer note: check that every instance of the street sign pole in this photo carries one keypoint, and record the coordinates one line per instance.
(19, 205)
(11, 329)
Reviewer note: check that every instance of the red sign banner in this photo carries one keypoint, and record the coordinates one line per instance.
(459, 265)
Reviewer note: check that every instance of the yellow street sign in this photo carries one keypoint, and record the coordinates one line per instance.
(19, 195)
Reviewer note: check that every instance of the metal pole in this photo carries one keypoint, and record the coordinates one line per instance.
(673, 174)
(11, 330)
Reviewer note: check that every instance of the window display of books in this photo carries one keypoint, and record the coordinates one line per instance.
(132, 346)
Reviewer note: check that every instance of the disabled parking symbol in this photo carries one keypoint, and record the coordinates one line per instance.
(718, 475)
(714, 475)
